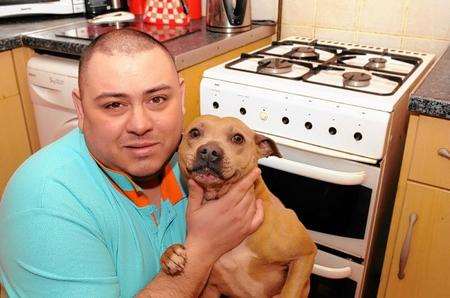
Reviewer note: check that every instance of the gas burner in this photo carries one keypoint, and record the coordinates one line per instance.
(376, 63)
(356, 79)
(304, 52)
(274, 66)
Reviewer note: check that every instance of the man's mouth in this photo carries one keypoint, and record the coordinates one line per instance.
(141, 149)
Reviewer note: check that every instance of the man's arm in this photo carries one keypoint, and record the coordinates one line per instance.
(213, 229)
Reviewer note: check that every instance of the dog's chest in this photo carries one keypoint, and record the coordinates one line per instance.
(241, 273)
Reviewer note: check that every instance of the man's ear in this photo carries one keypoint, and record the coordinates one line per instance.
(76, 98)
(183, 94)
(266, 146)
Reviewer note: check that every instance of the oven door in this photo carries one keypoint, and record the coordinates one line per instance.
(333, 197)
(335, 277)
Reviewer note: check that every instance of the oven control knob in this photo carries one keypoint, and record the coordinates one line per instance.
(263, 116)
(357, 136)
(308, 125)
(332, 131)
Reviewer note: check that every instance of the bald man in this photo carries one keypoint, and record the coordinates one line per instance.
(90, 214)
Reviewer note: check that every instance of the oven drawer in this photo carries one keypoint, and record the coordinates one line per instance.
(431, 158)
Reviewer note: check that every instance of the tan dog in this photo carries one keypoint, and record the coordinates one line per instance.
(277, 259)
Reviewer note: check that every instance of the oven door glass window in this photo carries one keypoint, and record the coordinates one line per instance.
(324, 207)
(331, 288)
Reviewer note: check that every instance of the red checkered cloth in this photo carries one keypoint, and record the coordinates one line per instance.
(165, 12)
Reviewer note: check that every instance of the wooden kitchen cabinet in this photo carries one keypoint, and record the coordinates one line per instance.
(16, 126)
(422, 212)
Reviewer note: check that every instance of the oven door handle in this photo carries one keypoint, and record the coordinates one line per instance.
(297, 168)
(332, 273)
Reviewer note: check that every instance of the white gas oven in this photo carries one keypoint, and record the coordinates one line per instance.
(338, 113)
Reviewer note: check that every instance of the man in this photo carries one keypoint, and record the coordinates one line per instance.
(91, 214)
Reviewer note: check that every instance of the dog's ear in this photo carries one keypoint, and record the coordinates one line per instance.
(266, 146)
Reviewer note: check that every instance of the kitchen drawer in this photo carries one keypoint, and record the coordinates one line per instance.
(8, 84)
(428, 166)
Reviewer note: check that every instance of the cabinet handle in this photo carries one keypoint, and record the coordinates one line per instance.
(444, 153)
(406, 244)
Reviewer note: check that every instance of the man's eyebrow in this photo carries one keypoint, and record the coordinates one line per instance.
(110, 94)
(158, 88)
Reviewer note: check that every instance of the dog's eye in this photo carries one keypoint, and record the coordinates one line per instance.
(194, 133)
(237, 139)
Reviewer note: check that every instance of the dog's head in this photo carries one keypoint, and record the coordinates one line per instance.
(219, 151)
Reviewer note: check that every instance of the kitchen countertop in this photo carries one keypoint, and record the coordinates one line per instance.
(13, 29)
(432, 98)
(187, 50)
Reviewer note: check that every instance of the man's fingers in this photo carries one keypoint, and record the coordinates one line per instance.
(258, 218)
(236, 192)
(195, 196)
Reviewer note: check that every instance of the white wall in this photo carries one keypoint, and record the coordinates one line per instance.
(415, 25)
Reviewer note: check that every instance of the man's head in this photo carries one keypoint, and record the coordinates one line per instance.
(129, 102)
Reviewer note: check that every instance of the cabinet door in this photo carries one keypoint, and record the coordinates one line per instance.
(427, 270)
(14, 145)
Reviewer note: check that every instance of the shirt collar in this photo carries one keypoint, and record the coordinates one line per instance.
(170, 188)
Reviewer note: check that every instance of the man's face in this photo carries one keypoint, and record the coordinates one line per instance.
(131, 110)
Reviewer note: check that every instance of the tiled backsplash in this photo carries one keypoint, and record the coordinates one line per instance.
(417, 25)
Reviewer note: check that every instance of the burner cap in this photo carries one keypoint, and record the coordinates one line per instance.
(356, 79)
(304, 52)
(274, 66)
(376, 63)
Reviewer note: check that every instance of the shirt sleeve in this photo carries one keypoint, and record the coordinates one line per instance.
(45, 252)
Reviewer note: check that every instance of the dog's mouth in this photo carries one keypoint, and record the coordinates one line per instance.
(205, 175)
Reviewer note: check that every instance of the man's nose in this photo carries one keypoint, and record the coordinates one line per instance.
(140, 121)
(210, 152)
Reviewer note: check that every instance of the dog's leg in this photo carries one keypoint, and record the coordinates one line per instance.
(173, 260)
(297, 282)
(210, 292)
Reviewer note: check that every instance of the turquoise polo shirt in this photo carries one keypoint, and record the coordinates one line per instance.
(70, 227)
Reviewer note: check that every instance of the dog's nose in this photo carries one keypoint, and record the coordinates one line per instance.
(210, 152)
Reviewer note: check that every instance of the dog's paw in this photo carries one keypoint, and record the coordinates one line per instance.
(174, 259)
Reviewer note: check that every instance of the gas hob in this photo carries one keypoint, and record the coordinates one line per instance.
(335, 95)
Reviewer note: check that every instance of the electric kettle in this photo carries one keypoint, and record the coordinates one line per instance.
(228, 16)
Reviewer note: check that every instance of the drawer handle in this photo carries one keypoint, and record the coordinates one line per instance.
(444, 153)
(406, 245)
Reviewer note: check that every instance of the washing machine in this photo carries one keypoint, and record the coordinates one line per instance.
(51, 80)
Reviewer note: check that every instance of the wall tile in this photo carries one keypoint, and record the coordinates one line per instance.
(335, 35)
(298, 12)
(336, 14)
(425, 45)
(289, 30)
(429, 18)
(381, 40)
(381, 16)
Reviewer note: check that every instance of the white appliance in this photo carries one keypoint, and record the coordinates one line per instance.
(51, 81)
(338, 114)
(27, 7)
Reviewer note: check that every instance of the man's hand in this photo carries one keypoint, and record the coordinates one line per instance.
(219, 226)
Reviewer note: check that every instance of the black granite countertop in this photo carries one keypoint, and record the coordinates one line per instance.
(13, 29)
(432, 98)
(188, 50)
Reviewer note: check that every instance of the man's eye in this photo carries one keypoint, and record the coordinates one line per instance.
(157, 99)
(113, 105)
